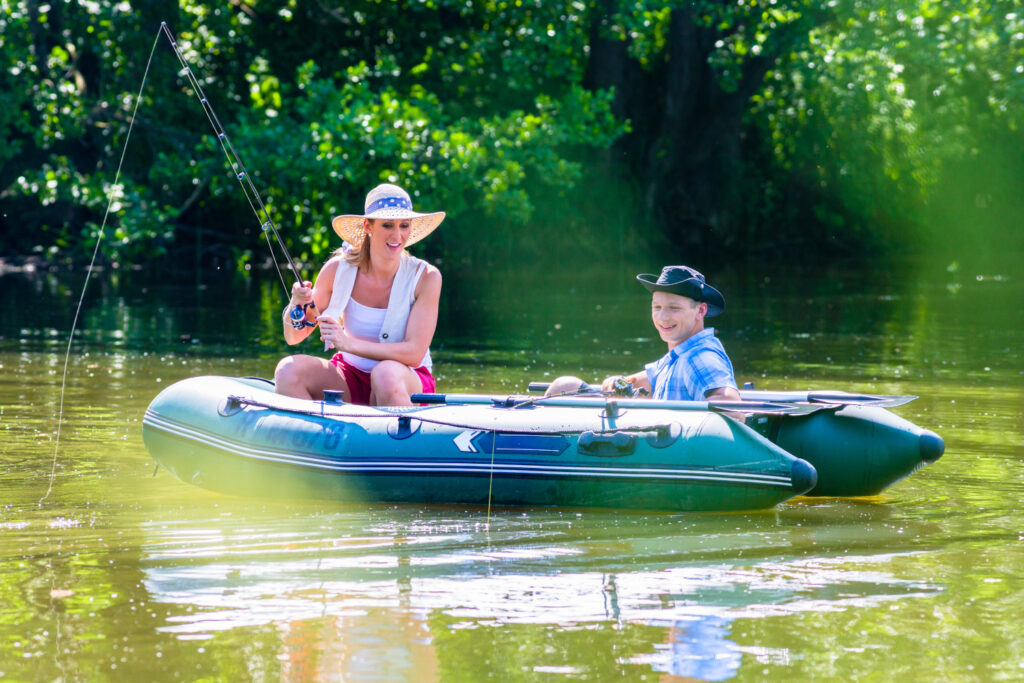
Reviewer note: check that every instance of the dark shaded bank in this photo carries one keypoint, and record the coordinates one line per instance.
(575, 317)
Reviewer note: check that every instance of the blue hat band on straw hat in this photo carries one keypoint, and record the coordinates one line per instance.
(390, 203)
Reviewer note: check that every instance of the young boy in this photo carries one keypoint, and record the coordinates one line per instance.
(696, 367)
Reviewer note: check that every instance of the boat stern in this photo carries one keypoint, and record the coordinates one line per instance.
(857, 450)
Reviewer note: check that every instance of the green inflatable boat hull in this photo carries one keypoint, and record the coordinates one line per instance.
(237, 436)
(856, 450)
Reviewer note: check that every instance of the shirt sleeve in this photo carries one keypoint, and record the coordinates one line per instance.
(709, 370)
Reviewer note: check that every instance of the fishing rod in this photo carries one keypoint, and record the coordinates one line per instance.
(620, 387)
(613, 404)
(252, 195)
(297, 313)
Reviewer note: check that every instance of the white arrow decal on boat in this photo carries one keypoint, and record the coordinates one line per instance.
(465, 441)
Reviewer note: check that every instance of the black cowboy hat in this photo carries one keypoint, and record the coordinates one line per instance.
(685, 281)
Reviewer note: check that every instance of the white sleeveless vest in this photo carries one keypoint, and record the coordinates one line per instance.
(400, 301)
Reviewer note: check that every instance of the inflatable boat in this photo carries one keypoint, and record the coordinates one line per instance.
(236, 436)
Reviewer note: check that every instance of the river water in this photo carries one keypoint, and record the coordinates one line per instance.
(115, 573)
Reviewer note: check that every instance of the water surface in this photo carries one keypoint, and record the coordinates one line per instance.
(120, 574)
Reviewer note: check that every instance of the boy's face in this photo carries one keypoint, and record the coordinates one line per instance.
(677, 318)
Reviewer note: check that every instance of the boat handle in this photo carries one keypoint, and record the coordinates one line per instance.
(607, 445)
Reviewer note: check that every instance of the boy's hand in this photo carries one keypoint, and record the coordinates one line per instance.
(618, 385)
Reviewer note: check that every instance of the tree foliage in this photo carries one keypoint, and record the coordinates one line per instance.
(744, 124)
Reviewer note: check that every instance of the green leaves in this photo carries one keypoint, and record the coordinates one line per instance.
(782, 117)
(468, 106)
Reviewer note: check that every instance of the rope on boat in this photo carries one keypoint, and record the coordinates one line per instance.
(413, 414)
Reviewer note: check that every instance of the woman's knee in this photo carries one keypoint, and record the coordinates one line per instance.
(293, 368)
(286, 368)
(389, 376)
(564, 385)
(387, 372)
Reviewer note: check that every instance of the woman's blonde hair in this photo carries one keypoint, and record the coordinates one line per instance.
(359, 255)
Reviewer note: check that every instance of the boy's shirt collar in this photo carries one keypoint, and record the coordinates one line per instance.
(692, 341)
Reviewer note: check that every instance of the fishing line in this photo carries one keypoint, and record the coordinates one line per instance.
(88, 272)
(252, 196)
(490, 481)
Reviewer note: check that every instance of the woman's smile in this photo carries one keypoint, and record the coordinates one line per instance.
(395, 234)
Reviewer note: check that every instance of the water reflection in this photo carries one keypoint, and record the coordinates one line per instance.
(398, 581)
(699, 647)
(123, 575)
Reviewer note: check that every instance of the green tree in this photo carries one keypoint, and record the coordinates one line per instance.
(320, 103)
(686, 124)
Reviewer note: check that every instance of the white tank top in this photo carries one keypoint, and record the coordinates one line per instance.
(400, 301)
(362, 322)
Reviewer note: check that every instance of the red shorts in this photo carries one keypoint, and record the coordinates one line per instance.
(358, 381)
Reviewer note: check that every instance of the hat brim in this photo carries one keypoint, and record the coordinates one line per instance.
(691, 288)
(350, 227)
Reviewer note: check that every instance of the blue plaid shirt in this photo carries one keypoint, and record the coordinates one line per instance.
(690, 370)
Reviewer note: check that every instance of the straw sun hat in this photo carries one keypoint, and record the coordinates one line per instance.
(387, 201)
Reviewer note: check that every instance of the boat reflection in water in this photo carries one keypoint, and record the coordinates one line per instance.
(412, 593)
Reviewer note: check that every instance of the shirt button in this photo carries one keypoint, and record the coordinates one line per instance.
(385, 335)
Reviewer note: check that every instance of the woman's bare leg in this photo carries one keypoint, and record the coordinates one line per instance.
(307, 376)
(563, 386)
(393, 384)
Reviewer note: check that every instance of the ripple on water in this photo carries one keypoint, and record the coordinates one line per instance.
(512, 572)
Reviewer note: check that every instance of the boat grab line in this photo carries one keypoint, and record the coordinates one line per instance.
(232, 445)
(415, 413)
(235, 448)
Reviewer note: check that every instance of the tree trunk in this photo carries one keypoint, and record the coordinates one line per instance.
(686, 148)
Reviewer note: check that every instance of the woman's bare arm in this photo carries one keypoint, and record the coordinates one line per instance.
(419, 331)
(319, 294)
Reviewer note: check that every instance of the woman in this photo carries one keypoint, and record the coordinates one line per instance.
(378, 309)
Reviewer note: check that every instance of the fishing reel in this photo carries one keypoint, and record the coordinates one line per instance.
(620, 387)
(298, 316)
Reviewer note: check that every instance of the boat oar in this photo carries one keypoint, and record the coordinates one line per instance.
(827, 397)
(821, 397)
(590, 401)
